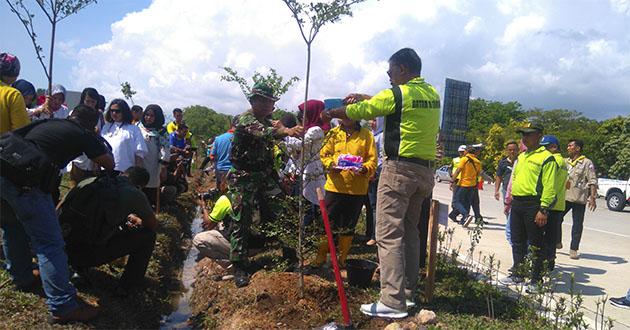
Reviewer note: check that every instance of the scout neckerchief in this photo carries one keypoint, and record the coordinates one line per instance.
(574, 162)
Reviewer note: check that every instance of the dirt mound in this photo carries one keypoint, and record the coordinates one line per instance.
(272, 300)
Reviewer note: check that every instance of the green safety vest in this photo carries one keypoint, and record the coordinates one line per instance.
(222, 208)
(561, 181)
(412, 118)
(534, 176)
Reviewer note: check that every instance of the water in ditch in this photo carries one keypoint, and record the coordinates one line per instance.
(178, 319)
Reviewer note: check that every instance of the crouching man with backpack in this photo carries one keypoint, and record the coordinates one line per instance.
(30, 158)
(105, 218)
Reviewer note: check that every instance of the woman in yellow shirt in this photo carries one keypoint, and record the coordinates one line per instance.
(13, 113)
(345, 188)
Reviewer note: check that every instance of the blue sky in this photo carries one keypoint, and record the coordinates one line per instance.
(89, 27)
(547, 54)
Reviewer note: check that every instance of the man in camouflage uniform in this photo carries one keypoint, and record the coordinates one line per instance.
(253, 180)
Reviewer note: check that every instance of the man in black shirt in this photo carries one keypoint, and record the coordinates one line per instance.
(31, 213)
(502, 179)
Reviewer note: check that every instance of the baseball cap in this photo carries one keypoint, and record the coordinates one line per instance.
(549, 139)
(530, 128)
(462, 148)
(333, 103)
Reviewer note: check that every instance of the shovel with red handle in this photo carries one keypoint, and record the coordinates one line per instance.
(333, 257)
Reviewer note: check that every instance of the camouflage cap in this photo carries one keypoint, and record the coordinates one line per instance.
(263, 90)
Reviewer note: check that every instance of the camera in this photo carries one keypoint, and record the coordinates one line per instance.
(212, 194)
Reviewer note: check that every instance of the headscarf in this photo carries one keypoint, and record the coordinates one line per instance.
(25, 87)
(9, 65)
(312, 117)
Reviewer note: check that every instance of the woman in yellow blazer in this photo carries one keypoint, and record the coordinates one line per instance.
(345, 189)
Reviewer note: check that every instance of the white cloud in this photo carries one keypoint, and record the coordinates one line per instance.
(622, 6)
(536, 52)
(521, 26)
(473, 25)
(509, 7)
(598, 47)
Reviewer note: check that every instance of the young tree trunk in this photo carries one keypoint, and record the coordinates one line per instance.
(302, 167)
(50, 57)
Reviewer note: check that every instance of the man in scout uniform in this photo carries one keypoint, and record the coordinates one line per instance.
(412, 110)
(581, 191)
(533, 196)
(253, 180)
(557, 211)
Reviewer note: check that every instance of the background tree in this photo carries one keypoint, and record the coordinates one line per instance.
(125, 89)
(272, 78)
(483, 114)
(204, 122)
(55, 11)
(612, 139)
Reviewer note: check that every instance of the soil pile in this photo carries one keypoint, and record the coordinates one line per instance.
(272, 300)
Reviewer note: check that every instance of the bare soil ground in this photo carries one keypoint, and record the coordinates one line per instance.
(272, 300)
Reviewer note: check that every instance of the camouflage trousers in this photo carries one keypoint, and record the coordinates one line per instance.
(248, 191)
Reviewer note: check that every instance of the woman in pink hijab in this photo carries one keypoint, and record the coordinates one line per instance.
(314, 109)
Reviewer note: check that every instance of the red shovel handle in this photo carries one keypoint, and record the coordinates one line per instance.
(333, 257)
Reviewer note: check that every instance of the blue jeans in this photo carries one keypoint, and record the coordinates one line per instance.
(508, 234)
(36, 220)
(463, 200)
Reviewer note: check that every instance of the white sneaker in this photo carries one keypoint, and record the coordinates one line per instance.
(380, 310)
(533, 289)
(511, 280)
(468, 220)
(410, 303)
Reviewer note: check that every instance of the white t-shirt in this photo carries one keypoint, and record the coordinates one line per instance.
(158, 149)
(126, 141)
(62, 113)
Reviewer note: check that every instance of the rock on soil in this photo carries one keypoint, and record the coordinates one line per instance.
(426, 316)
(393, 326)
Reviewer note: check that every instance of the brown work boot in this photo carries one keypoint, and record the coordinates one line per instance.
(83, 313)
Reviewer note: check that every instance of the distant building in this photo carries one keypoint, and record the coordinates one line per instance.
(455, 115)
(72, 99)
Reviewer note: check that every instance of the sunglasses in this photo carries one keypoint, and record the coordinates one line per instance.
(115, 110)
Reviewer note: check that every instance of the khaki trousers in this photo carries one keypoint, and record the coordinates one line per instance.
(401, 189)
(212, 244)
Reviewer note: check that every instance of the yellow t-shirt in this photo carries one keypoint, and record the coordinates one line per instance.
(359, 143)
(172, 127)
(470, 169)
(13, 113)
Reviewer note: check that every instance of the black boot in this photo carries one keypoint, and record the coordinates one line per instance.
(241, 278)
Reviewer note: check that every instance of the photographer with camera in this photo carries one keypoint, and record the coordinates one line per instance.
(106, 218)
(214, 242)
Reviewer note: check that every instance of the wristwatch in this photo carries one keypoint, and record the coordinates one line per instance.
(544, 210)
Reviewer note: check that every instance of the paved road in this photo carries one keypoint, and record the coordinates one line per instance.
(603, 267)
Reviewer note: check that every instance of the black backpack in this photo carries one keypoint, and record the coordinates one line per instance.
(87, 214)
(24, 163)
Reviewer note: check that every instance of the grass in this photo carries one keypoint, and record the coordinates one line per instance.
(143, 308)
